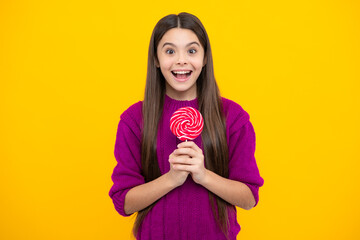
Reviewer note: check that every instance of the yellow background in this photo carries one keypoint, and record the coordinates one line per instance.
(68, 69)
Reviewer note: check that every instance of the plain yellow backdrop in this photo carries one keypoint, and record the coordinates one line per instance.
(68, 69)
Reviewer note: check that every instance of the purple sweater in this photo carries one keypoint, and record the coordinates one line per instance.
(185, 212)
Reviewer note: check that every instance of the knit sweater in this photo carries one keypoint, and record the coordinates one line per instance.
(184, 212)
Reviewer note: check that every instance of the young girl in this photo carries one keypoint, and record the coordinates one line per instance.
(184, 190)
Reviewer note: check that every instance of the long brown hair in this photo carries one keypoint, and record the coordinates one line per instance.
(210, 106)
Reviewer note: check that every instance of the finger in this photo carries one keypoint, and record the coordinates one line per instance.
(185, 144)
(185, 151)
(181, 167)
(190, 144)
(181, 160)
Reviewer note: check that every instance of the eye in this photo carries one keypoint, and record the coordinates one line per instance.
(192, 50)
(172, 51)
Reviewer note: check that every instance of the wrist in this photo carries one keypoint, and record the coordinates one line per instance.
(206, 178)
(171, 184)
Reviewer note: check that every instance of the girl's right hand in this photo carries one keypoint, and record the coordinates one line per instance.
(177, 177)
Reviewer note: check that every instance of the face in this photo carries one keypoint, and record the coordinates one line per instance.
(181, 58)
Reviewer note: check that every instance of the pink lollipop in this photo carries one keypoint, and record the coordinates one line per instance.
(186, 123)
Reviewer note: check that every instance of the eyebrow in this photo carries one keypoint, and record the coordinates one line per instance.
(167, 43)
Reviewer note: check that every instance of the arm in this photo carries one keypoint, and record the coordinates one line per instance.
(241, 188)
(141, 196)
(234, 192)
(145, 194)
(130, 193)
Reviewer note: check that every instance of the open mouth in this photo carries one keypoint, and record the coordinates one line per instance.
(184, 75)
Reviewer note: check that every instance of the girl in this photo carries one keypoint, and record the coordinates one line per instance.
(184, 190)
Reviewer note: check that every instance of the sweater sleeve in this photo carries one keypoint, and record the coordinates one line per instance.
(242, 162)
(127, 172)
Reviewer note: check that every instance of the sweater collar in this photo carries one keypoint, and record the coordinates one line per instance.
(174, 104)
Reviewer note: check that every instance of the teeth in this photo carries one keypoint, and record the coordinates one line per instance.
(181, 72)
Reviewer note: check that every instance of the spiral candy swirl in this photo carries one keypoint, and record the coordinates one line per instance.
(186, 123)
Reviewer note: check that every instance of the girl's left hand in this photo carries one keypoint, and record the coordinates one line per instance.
(194, 163)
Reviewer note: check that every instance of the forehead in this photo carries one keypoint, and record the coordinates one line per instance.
(179, 36)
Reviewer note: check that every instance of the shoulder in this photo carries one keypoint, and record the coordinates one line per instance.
(235, 114)
(133, 111)
(132, 116)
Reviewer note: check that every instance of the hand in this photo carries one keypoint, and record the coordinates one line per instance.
(177, 177)
(191, 160)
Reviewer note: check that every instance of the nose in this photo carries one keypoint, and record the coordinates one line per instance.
(181, 59)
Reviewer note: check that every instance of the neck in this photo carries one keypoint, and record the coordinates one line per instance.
(188, 95)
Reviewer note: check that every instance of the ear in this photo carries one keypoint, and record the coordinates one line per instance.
(205, 61)
(157, 63)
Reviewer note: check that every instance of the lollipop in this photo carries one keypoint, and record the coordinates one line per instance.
(186, 123)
